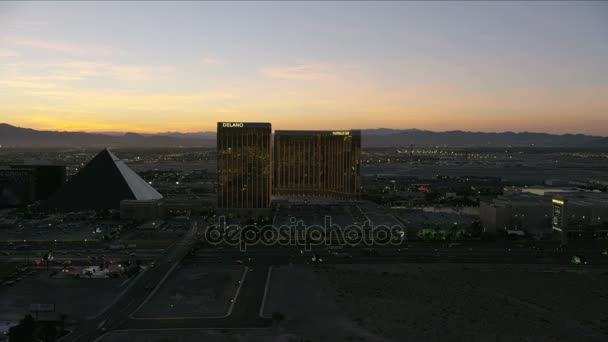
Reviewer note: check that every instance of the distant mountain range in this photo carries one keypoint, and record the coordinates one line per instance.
(381, 137)
(385, 138)
(26, 137)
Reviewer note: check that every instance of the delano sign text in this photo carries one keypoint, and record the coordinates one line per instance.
(232, 124)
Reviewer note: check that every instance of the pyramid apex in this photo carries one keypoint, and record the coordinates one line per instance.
(106, 152)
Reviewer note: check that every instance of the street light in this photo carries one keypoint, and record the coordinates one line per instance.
(48, 257)
(27, 255)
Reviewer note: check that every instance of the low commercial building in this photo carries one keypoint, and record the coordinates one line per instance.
(542, 190)
(142, 210)
(524, 212)
(16, 187)
(48, 177)
(25, 184)
(186, 206)
(580, 215)
(177, 206)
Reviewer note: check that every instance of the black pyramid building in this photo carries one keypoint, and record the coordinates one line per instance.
(101, 184)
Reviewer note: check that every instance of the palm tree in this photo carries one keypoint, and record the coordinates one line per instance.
(277, 318)
(24, 331)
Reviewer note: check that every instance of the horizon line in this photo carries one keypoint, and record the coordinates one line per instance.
(106, 132)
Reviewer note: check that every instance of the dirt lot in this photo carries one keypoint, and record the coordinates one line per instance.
(309, 307)
(489, 303)
(441, 303)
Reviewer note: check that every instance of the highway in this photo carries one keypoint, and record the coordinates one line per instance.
(117, 313)
(471, 252)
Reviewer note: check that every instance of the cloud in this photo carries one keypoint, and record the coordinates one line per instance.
(302, 72)
(63, 47)
(113, 100)
(129, 72)
(208, 61)
(26, 84)
(8, 53)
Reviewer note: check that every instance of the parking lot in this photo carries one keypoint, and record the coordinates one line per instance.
(342, 214)
(194, 291)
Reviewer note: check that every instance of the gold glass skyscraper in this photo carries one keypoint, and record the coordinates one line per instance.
(244, 167)
(317, 164)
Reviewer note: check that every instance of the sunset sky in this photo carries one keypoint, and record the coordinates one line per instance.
(157, 67)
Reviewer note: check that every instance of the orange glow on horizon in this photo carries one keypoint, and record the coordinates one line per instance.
(470, 66)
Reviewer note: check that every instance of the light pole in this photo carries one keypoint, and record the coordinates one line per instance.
(27, 255)
(48, 257)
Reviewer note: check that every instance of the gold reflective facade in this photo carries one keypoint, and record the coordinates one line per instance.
(243, 165)
(322, 164)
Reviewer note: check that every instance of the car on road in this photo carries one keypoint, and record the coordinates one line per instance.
(101, 327)
(343, 255)
(317, 259)
(579, 260)
(369, 251)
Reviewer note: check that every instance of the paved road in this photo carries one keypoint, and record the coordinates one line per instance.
(116, 315)
(474, 252)
(78, 256)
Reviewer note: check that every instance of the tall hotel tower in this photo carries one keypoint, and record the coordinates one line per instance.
(244, 168)
(317, 164)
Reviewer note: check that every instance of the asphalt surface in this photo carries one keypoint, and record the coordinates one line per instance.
(471, 252)
(244, 315)
(246, 309)
(117, 314)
